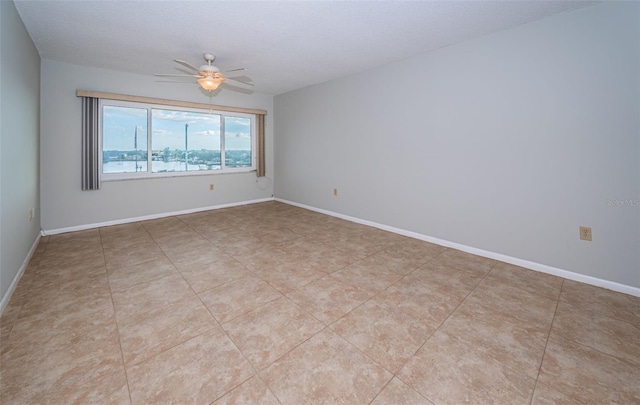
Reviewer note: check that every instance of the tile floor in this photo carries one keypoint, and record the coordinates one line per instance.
(273, 304)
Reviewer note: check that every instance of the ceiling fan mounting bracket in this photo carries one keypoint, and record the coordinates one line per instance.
(209, 57)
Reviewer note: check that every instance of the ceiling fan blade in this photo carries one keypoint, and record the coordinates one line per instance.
(238, 82)
(234, 72)
(175, 75)
(186, 64)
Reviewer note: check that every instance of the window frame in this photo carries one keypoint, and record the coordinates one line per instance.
(149, 173)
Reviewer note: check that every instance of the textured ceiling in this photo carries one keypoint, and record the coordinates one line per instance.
(285, 45)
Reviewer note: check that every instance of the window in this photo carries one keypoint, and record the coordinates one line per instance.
(142, 140)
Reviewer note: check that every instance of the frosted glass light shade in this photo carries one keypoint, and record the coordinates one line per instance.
(209, 83)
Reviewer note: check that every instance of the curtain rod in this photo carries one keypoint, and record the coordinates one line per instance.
(162, 101)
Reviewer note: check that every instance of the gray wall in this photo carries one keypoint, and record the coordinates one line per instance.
(64, 205)
(19, 137)
(506, 143)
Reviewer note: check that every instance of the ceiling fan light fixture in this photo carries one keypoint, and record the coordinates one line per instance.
(209, 83)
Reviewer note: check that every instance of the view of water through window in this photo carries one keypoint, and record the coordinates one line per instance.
(179, 141)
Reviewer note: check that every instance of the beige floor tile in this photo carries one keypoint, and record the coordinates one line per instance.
(77, 236)
(122, 230)
(71, 252)
(384, 333)
(214, 274)
(234, 241)
(465, 261)
(333, 233)
(42, 363)
(317, 255)
(132, 255)
(446, 371)
(587, 375)
(69, 278)
(544, 395)
(516, 344)
(147, 334)
(271, 331)
(21, 294)
(259, 256)
(531, 281)
(446, 279)
(288, 276)
(144, 297)
(418, 250)
(238, 297)
(122, 240)
(74, 237)
(397, 260)
(299, 227)
(61, 260)
(124, 234)
(251, 392)
(362, 244)
(122, 278)
(399, 393)
(522, 305)
(194, 243)
(429, 296)
(33, 336)
(52, 304)
(74, 388)
(275, 234)
(7, 320)
(164, 226)
(599, 300)
(198, 258)
(325, 370)
(197, 371)
(368, 277)
(608, 335)
(329, 298)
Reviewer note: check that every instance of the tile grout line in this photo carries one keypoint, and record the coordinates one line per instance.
(544, 352)
(115, 320)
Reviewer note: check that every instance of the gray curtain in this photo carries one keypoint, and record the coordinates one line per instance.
(260, 170)
(90, 144)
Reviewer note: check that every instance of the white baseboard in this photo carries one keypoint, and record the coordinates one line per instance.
(16, 279)
(148, 217)
(610, 285)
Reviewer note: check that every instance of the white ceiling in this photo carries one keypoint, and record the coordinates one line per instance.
(285, 45)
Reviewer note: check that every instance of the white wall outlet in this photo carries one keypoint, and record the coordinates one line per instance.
(335, 192)
(31, 214)
(210, 187)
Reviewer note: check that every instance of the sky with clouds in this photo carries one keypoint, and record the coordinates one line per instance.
(168, 130)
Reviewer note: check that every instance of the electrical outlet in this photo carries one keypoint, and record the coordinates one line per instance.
(335, 192)
(210, 187)
(585, 233)
(31, 214)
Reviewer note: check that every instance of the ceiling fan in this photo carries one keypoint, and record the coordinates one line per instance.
(210, 76)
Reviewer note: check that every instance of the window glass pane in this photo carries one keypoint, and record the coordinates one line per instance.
(124, 139)
(237, 142)
(184, 141)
